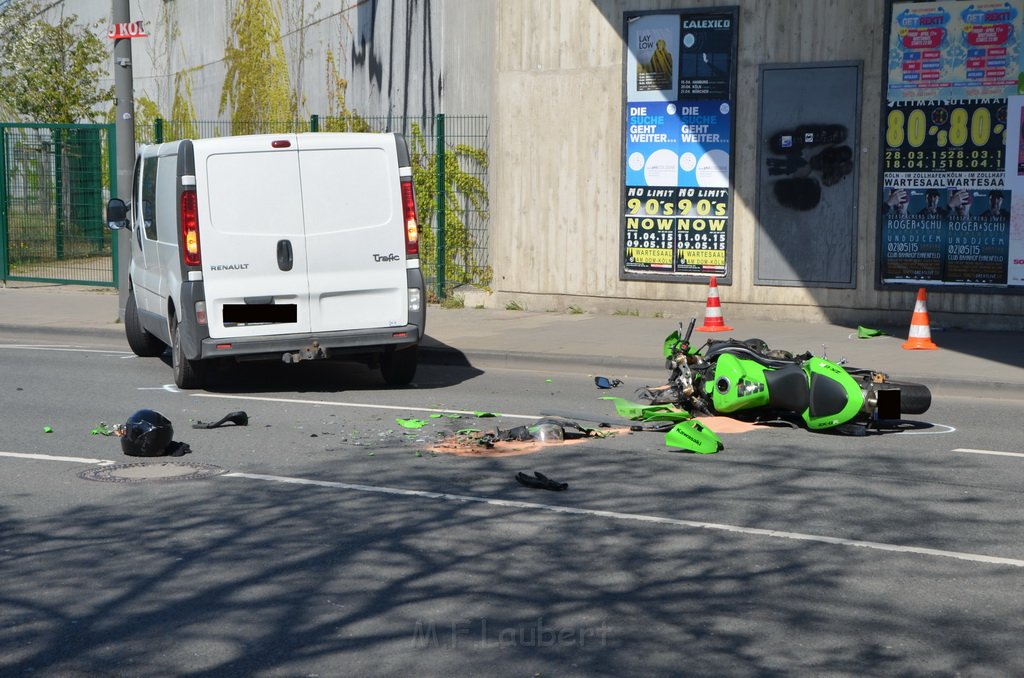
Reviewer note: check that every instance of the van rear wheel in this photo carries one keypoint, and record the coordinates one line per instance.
(142, 343)
(187, 373)
(399, 367)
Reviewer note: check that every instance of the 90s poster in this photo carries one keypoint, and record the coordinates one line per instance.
(678, 137)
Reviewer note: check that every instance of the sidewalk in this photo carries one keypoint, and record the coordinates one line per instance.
(610, 345)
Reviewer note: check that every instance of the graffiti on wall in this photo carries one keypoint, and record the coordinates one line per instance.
(808, 158)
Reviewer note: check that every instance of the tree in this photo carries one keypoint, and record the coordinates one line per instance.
(256, 88)
(50, 72)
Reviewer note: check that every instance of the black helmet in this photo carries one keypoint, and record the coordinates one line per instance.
(146, 434)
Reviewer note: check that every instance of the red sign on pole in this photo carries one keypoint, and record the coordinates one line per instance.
(132, 29)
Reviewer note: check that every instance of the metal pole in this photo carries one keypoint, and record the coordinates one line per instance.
(441, 249)
(125, 135)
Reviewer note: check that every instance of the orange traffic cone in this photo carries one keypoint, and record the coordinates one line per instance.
(713, 321)
(920, 337)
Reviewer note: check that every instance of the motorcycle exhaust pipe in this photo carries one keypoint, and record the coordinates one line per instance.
(882, 403)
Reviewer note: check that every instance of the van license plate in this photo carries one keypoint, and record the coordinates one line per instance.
(259, 314)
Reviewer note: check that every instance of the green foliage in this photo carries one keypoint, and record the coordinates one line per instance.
(256, 88)
(340, 118)
(454, 301)
(50, 72)
(465, 193)
(183, 113)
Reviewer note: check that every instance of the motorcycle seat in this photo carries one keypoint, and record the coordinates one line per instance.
(788, 389)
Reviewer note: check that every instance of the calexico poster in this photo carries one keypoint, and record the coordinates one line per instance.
(947, 209)
(679, 123)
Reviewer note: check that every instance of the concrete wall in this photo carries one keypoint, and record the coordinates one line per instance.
(556, 175)
(394, 55)
(549, 76)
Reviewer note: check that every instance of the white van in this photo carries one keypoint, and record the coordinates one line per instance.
(284, 246)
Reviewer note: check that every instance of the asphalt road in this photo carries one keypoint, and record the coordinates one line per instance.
(335, 542)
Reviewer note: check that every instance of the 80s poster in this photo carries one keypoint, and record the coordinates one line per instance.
(950, 195)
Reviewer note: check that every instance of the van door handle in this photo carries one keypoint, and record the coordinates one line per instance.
(284, 255)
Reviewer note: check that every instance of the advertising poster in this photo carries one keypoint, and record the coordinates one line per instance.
(1014, 182)
(947, 204)
(678, 143)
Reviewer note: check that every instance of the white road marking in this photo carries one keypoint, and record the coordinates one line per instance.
(615, 515)
(778, 534)
(402, 408)
(949, 429)
(65, 349)
(51, 457)
(994, 452)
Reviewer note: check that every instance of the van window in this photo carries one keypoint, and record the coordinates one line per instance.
(167, 199)
(149, 197)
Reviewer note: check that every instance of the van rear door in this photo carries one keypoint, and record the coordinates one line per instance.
(251, 235)
(355, 237)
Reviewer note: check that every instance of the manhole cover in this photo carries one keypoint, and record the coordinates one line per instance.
(151, 472)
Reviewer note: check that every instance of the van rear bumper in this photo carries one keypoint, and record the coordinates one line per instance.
(330, 343)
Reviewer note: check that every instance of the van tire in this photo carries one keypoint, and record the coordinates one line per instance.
(189, 374)
(142, 343)
(399, 367)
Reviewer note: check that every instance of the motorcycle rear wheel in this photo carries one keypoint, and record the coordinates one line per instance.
(914, 398)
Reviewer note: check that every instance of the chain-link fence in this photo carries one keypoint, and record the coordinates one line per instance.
(450, 156)
(56, 181)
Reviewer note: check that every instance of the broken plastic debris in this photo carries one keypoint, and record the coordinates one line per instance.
(694, 437)
(605, 382)
(411, 423)
(867, 332)
(547, 432)
(102, 430)
(485, 414)
(237, 418)
(435, 415)
(467, 431)
(680, 415)
(47, 429)
(636, 411)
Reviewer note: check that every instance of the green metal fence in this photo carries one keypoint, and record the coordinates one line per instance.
(450, 165)
(56, 179)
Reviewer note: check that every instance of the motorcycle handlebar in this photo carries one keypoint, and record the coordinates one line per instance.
(689, 330)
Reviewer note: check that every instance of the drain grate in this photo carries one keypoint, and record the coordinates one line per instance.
(151, 472)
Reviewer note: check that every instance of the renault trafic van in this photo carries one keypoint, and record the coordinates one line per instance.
(285, 246)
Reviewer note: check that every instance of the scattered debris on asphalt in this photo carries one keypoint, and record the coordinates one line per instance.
(605, 382)
(540, 481)
(238, 418)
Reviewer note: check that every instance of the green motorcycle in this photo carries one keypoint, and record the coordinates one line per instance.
(747, 379)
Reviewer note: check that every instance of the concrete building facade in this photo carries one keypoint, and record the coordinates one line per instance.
(551, 77)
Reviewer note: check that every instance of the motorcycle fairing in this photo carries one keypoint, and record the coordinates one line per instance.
(835, 395)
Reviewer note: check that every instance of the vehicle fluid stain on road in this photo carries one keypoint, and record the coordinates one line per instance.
(474, 445)
(461, 445)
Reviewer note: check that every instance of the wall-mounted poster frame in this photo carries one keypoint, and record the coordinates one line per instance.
(951, 212)
(679, 123)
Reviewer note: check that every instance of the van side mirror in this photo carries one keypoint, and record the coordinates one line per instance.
(117, 214)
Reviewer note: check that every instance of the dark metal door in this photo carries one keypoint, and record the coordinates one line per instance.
(807, 175)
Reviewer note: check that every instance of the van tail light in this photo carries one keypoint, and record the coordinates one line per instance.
(190, 253)
(412, 229)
